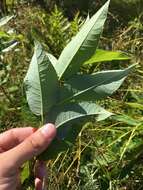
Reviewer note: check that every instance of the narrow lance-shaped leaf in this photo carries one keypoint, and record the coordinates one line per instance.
(126, 119)
(41, 82)
(9, 48)
(95, 86)
(83, 45)
(103, 55)
(4, 20)
(135, 105)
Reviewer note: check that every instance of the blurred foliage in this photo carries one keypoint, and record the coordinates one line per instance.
(57, 30)
(107, 155)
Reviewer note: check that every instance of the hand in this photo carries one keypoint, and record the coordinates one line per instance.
(19, 145)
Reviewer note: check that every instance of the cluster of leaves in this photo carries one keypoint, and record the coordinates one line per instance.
(57, 90)
(95, 161)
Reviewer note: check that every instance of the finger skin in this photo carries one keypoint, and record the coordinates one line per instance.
(13, 137)
(29, 148)
(38, 184)
(40, 173)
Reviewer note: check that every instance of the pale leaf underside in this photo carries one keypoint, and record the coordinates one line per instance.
(83, 45)
(41, 83)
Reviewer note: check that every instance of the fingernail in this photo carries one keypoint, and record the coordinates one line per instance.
(48, 130)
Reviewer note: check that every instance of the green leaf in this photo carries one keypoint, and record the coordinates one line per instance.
(9, 48)
(83, 45)
(103, 55)
(67, 118)
(95, 86)
(53, 60)
(135, 105)
(4, 20)
(25, 172)
(126, 119)
(4, 34)
(71, 112)
(41, 82)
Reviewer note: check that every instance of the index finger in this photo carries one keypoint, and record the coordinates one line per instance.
(13, 137)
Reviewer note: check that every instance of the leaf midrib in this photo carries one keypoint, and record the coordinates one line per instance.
(78, 47)
(90, 88)
(41, 97)
(80, 115)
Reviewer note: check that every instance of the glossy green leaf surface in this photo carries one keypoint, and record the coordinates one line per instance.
(41, 82)
(83, 45)
(103, 56)
(25, 172)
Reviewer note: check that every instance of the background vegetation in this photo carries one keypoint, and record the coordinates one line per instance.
(107, 155)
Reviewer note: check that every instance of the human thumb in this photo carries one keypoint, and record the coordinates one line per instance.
(32, 146)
